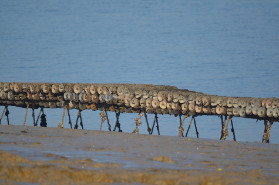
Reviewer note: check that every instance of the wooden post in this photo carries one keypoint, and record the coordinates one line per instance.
(109, 126)
(38, 117)
(148, 127)
(181, 129)
(3, 113)
(61, 125)
(189, 126)
(33, 115)
(26, 114)
(70, 122)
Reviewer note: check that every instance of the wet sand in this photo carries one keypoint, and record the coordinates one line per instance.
(65, 156)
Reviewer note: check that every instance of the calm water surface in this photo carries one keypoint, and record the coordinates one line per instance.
(216, 47)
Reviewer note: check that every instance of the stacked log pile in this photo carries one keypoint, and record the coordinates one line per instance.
(135, 98)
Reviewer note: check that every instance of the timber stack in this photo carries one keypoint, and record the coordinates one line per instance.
(136, 98)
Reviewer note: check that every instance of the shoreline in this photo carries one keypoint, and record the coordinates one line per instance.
(65, 156)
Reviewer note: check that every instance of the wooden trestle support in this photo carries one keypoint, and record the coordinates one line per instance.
(136, 98)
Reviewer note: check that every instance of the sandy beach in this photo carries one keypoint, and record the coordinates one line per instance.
(64, 156)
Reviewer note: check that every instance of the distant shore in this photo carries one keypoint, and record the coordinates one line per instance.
(65, 156)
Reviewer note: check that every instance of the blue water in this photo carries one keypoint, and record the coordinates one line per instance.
(218, 47)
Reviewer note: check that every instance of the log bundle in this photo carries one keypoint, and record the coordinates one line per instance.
(135, 98)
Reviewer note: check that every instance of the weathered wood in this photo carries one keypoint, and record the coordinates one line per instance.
(135, 98)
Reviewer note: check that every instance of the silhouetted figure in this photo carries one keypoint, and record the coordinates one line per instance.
(43, 121)
(7, 115)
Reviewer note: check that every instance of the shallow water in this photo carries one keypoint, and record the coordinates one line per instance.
(222, 47)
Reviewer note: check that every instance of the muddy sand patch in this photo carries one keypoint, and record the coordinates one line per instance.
(62, 156)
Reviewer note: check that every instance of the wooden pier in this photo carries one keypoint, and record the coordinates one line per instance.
(136, 98)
